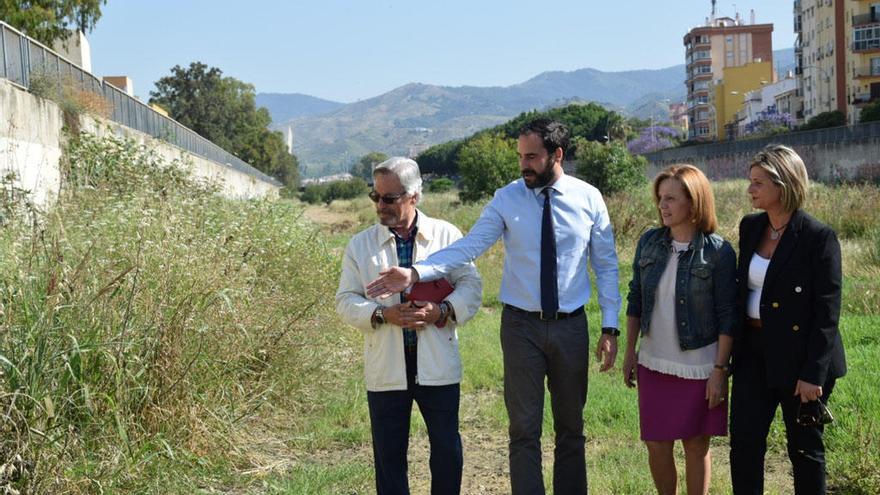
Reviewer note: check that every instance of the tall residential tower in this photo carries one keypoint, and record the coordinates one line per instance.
(719, 44)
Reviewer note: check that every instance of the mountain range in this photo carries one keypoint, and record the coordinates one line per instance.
(330, 136)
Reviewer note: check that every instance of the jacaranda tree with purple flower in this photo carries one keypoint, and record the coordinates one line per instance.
(654, 138)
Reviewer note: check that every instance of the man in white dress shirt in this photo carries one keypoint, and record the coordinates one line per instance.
(552, 225)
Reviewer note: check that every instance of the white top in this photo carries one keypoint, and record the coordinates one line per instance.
(583, 234)
(757, 272)
(659, 349)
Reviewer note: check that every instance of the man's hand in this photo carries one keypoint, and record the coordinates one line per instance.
(390, 281)
(629, 368)
(807, 391)
(419, 314)
(606, 351)
(415, 314)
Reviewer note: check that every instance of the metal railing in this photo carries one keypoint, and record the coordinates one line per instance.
(22, 57)
(831, 135)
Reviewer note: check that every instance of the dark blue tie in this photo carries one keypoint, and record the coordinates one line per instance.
(549, 290)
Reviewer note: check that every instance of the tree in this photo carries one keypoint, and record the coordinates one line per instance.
(224, 111)
(654, 138)
(825, 119)
(769, 123)
(486, 163)
(590, 121)
(609, 167)
(440, 159)
(48, 21)
(364, 167)
(871, 112)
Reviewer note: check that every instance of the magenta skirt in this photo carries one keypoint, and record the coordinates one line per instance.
(673, 408)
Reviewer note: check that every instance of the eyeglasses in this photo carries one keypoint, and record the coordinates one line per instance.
(388, 199)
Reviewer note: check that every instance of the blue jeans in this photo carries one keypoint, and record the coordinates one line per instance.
(389, 421)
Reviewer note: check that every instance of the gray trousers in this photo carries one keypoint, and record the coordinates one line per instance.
(559, 350)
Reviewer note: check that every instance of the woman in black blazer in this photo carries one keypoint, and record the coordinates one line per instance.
(789, 351)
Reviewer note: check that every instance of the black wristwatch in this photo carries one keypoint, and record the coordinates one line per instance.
(610, 331)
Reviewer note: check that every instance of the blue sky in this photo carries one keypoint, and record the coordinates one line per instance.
(350, 50)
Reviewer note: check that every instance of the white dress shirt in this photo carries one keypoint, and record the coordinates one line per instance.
(583, 232)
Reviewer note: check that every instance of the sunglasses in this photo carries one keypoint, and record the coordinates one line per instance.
(388, 199)
(813, 413)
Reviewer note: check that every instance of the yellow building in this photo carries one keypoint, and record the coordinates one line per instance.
(863, 57)
(730, 92)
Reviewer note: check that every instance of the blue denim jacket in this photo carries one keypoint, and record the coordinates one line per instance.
(705, 286)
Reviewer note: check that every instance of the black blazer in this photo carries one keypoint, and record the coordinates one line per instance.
(800, 301)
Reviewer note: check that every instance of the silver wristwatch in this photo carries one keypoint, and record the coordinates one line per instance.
(380, 315)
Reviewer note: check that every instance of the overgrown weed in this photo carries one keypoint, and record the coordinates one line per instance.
(144, 321)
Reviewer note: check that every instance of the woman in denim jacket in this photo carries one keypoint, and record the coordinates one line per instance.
(681, 302)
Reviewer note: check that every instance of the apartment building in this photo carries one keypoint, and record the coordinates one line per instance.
(862, 38)
(722, 43)
(821, 55)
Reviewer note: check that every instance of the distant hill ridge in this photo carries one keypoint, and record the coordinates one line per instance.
(330, 136)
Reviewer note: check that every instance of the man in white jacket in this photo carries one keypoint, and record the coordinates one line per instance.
(410, 347)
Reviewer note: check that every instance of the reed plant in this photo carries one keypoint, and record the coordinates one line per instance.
(146, 322)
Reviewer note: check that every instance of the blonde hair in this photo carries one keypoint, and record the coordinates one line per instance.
(697, 189)
(787, 170)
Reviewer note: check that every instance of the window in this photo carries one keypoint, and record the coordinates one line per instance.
(875, 66)
(866, 38)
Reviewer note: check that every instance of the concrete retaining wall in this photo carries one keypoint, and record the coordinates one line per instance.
(850, 153)
(31, 143)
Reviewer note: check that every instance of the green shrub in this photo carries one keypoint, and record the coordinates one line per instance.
(871, 112)
(825, 119)
(345, 189)
(326, 193)
(440, 185)
(486, 163)
(609, 167)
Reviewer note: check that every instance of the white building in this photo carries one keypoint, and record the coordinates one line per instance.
(769, 99)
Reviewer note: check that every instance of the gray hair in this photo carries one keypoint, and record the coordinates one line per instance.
(407, 170)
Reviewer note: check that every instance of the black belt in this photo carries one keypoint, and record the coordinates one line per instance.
(547, 316)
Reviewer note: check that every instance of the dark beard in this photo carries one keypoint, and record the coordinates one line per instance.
(543, 178)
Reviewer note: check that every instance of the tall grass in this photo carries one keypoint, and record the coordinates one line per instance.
(145, 321)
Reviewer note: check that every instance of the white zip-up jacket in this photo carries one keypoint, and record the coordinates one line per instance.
(438, 362)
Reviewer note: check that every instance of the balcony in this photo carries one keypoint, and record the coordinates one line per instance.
(866, 72)
(866, 46)
(862, 99)
(863, 19)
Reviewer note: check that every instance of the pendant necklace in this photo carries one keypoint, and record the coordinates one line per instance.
(774, 232)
